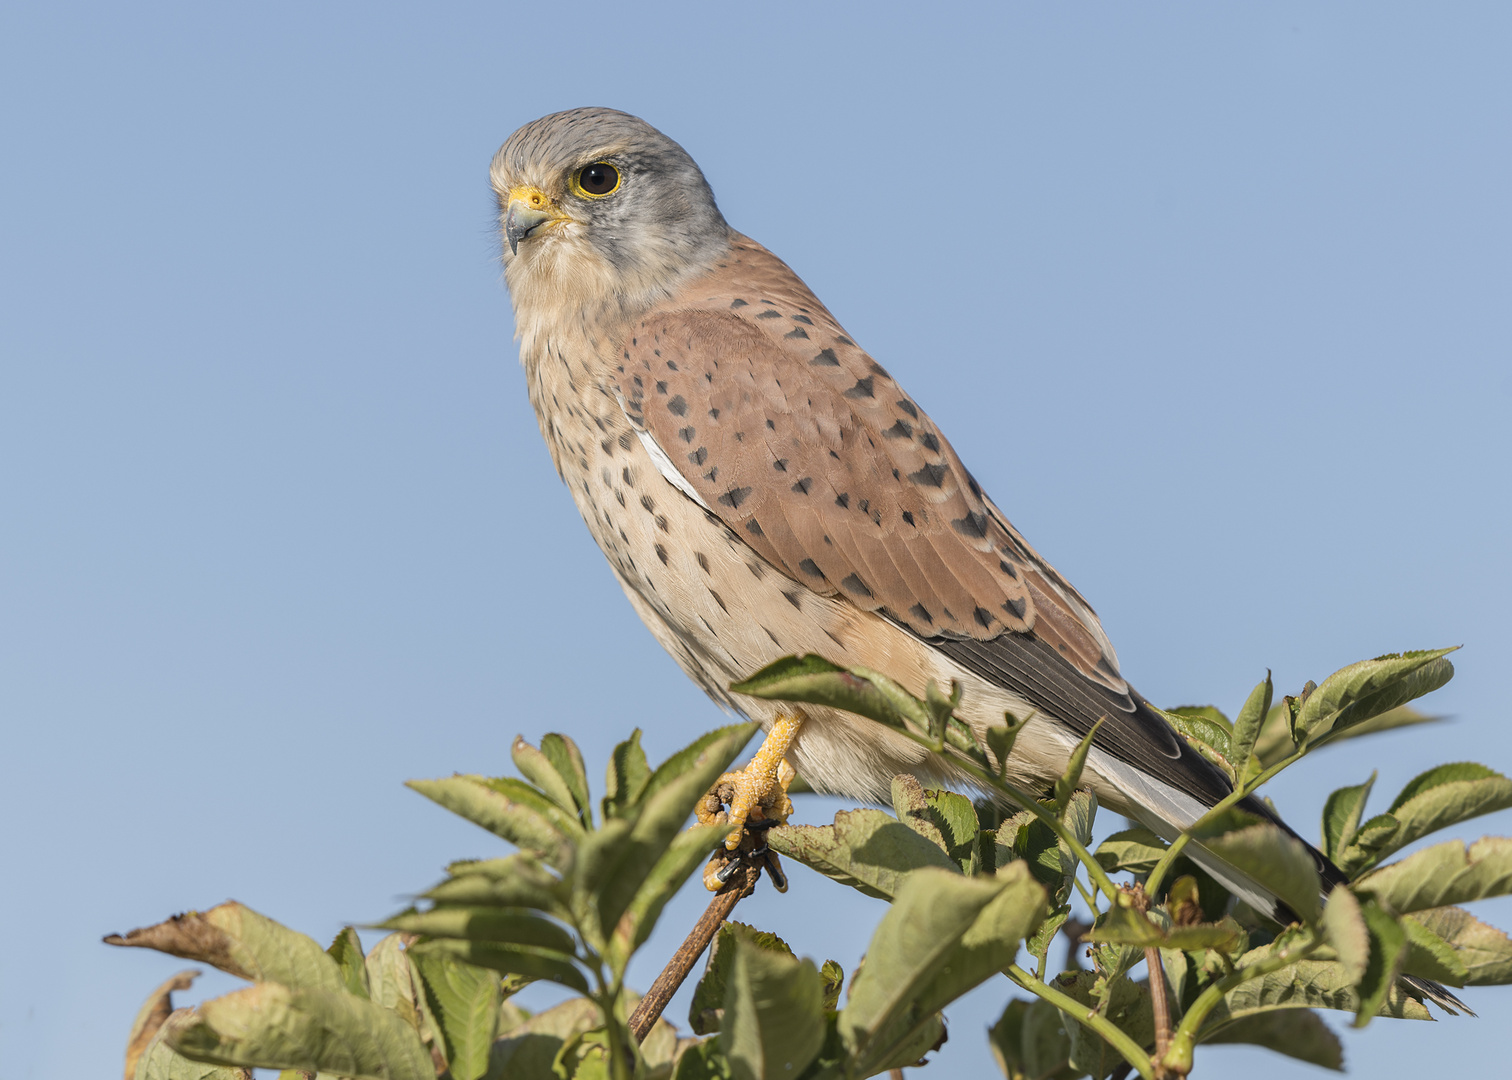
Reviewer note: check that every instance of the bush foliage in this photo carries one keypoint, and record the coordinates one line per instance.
(975, 891)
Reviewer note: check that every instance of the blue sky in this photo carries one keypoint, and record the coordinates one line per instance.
(1213, 298)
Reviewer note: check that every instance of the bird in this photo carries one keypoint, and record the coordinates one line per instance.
(762, 487)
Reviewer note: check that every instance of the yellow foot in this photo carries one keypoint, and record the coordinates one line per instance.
(757, 793)
(756, 799)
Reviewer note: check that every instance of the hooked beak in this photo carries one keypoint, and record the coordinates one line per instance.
(529, 209)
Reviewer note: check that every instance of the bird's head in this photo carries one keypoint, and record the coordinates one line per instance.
(597, 206)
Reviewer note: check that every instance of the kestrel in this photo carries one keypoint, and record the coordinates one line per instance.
(763, 487)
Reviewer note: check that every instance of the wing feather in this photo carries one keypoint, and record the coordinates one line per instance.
(810, 452)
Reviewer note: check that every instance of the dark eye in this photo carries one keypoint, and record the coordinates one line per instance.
(598, 179)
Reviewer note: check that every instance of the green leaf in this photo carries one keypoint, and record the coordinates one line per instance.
(707, 1007)
(1361, 691)
(1297, 1033)
(346, 950)
(1225, 936)
(1122, 924)
(1365, 847)
(1030, 1043)
(1401, 716)
(773, 1013)
(702, 1061)
(485, 924)
(238, 940)
(528, 1051)
(151, 1016)
(465, 1000)
(1442, 875)
(1341, 817)
(539, 770)
(721, 744)
(957, 821)
(567, 760)
(908, 969)
(1067, 784)
(626, 777)
(991, 942)
(1038, 943)
(1134, 850)
(1484, 951)
(275, 1027)
(1437, 799)
(912, 808)
(1124, 1002)
(159, 1061)
(687, 852)
(1280, 863)
(1275, 741)
(1388, 942)
(814, 680)
(1209, 714)
(833, 976)
(1248, 723)
(1317, 984)
(1000, 740)
(511, 959)
(1026, 837)
(394, 984)
(1446, 796)
(1206, 730)
(1345, 931)
(1078, 815)
(584, 1057)
(513, 881)
(1429, 956)
(510, 809)
(1204, 724)
(665, 806)
(866, 849)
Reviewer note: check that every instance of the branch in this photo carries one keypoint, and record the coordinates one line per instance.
(650, 1007)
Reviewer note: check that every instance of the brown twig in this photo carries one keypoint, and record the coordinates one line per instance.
(649, 1010)
(1161, 1006)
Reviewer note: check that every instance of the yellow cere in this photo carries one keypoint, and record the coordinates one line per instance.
(532, 197)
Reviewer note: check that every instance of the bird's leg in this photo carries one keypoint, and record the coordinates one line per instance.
(757, 793)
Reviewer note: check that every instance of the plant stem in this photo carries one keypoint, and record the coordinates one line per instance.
(650, 1007)
(1159, 1005)
(1178, 1056)
(1115, 1037)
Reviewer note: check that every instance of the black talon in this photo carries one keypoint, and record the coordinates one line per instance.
(727, 871)
(774, 871)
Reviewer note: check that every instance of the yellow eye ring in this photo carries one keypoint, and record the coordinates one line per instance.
(596, 181)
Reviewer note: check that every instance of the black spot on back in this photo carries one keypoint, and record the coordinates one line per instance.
(853, 583)
(930, 475)
(973, 524)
